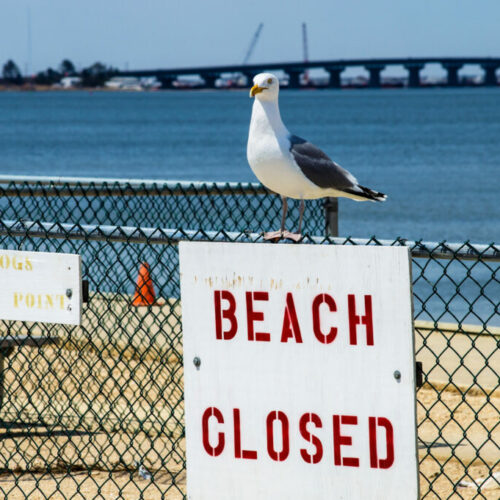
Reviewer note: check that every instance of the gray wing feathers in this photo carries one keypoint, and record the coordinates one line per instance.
(318, 167)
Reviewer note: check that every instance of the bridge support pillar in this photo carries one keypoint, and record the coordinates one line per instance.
(375, 71)
(335, 72)
(210, 80)
(167, 82)
(414, 74)
(452, 69)
(249, 77)
(294, 79)
(490, 73)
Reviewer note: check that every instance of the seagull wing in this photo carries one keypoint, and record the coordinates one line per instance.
(325, 173)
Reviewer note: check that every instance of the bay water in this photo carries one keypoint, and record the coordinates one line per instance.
(435, 152)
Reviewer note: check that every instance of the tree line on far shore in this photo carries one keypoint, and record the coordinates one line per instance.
(93, 76)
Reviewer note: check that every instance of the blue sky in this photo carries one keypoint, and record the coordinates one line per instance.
(167, 33)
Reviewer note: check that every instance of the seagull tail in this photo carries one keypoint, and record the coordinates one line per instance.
(367, 194)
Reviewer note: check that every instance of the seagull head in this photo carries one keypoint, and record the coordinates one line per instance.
(266, 87)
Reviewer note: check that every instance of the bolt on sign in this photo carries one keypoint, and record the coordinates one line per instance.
(299, 372)
(41, 287)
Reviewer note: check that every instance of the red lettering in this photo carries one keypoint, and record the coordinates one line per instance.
(375, 462)
(278, 456)
(291, 328)
(314, 440)
(355, 320)
(256, 316)
(372, 430)
(238, 452)
(228, 314)
(279, 448)
(342, 440)
(211, 450)
(318, 300)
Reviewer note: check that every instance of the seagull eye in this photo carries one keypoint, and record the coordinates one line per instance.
(270, 80)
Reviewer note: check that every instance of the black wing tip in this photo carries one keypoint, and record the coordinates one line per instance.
(379, 196)
(368, 194)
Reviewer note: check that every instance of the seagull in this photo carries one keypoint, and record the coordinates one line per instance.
(289, 165)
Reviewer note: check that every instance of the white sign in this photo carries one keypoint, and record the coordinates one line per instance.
(299, 372)
(40, 286)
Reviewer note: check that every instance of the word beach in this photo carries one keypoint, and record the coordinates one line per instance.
(290, 326)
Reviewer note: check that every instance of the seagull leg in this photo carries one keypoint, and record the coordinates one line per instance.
(277, 235)
(283, 214)
(301, 215)
(296, 236)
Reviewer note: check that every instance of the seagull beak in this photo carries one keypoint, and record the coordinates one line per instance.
(256, 90)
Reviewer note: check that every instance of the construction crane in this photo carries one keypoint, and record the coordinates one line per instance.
(251, 47)
(305, 52)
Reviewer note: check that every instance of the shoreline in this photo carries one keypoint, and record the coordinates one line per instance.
(48, 88)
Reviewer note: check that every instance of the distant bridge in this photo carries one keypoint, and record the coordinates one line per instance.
(334, 67)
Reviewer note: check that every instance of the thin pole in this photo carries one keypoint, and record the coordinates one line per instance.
(331, 216)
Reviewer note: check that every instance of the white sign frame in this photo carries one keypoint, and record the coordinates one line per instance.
(248, 395)
(42, 287)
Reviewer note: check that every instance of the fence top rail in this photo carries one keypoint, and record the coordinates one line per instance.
(52, 186)
(50, 230)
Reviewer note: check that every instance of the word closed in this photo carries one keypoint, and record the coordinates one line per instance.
(215, 443)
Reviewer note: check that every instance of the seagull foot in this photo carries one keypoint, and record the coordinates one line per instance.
(274, 235)
(292, 236)
(278, 235)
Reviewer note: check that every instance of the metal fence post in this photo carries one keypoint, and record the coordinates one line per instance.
(331, 216)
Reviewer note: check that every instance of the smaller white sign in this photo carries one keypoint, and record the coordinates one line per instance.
(40, 287)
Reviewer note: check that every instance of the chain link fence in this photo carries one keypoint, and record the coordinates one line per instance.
(98, 413)
(229, 206)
